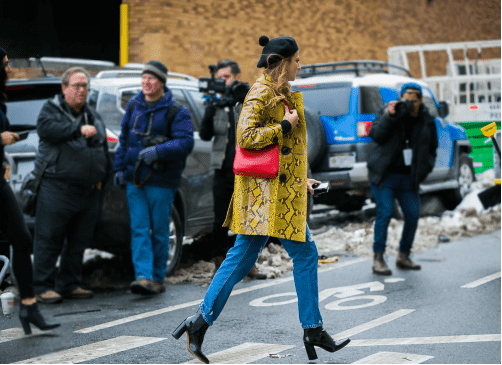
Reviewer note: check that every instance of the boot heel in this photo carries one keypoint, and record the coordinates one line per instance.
(26, 326)
(178, 332)
(310, 351)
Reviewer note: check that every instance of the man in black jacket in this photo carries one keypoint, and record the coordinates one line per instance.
(219, 122)
(403, 155)
(73, 144)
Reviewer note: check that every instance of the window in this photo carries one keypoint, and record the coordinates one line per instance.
(328, 99)
(179, 95)
(370, 100)
(127, 95)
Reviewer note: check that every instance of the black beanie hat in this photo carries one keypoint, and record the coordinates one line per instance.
(2, 53)
(157, 69)
(283, 46)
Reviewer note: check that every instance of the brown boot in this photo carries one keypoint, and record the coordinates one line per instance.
(403, 262)
(379, 265)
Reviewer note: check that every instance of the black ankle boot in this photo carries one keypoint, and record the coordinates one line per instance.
(30, 314)
(195, 327)
(320, 338)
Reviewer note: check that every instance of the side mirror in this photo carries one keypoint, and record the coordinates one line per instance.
(444, 109)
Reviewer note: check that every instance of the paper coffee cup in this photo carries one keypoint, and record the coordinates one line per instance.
(7, 303)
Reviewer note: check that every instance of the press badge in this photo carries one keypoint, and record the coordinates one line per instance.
(407, 155)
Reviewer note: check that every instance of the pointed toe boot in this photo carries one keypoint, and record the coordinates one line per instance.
(196, 328)
(320, 338)
(30, 314)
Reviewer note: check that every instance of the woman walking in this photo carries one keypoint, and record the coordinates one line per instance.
(12, 223)
(263, 208)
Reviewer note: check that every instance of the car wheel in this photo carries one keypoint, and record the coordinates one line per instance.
(465, 178)
(175, 241)
(316, 138)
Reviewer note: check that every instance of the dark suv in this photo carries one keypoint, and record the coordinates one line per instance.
(341, 100)
(109, 93)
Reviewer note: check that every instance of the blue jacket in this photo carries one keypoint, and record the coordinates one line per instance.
(137, 119)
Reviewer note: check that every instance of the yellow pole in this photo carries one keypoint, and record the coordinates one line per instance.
(124, 34)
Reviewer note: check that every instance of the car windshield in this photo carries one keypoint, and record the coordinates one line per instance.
(328, 100)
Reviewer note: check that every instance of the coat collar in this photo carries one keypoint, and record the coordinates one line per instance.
(267, 80)
(163, 102)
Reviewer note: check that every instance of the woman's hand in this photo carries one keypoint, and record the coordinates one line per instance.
(291, 117)
(311, 182)
(9, 138)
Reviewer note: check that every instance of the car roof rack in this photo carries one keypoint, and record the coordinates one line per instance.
(109, 74)
(352, 67)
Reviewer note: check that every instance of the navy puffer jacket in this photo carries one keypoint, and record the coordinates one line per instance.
(140, 120)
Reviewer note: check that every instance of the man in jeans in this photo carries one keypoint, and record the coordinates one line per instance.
(156, 138)
(403, 155)
(73, 143)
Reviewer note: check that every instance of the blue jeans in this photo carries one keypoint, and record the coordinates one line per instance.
(395, 186)
(150, 209)
(240, 260)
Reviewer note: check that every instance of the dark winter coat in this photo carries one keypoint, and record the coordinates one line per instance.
(4, 126)
(79, 161)
(389, 134)
(136, 123)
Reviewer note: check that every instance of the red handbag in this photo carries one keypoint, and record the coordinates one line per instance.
(262, 163)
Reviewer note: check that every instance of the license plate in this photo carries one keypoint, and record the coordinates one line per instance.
(344, 160)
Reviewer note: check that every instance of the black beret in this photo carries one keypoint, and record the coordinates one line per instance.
(282, 46)
(2, 53)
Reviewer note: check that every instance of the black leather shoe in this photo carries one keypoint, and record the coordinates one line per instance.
(320, 338)
(30, 314)
(195, 327)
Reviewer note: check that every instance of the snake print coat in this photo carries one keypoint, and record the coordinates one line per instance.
(271, 207)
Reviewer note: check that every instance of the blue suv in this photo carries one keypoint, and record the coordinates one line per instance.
(341, 100)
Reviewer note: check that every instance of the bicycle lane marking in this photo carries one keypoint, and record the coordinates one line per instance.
(197, 302)
(482, 281)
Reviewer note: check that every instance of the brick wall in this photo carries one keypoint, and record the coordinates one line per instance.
(188, 35)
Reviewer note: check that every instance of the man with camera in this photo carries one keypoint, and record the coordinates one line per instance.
(225, 91)
(403, 155)
(74, 155)
(156, 137)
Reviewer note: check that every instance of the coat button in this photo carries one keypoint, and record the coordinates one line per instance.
(275, 140)
(286, 150)
(282, 178)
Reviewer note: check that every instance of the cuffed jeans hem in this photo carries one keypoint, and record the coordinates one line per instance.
(313, 325)
(204, 315)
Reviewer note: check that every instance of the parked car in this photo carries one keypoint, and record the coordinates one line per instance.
(341, 100)
(192, 211)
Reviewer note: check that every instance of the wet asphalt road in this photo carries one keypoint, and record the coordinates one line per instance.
(409, 317)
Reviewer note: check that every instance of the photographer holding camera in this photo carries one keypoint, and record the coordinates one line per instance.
(402, 157)
(225, 91)
(155, 140)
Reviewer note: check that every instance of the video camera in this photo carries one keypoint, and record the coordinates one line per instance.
(229, 94)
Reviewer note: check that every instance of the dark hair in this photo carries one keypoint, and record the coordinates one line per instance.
(234, 67)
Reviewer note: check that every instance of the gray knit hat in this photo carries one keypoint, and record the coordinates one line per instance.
(157, 69)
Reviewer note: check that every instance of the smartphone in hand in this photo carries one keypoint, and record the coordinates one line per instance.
(23, 135)
(320, 188)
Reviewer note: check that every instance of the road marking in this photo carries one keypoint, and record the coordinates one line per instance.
(197, 302)
(244, 354)
(393, 358)
(482, 281)
(372, 324)
(374, 300)
(17, 333)
(425, 340)
(93, 351)
(393, 280)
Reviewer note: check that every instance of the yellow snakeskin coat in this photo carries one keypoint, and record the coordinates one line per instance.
(271, 207)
